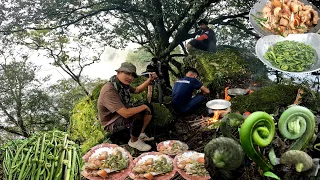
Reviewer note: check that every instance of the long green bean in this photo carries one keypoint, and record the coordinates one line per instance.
(43, 156)
(34, 161)
(24, 164)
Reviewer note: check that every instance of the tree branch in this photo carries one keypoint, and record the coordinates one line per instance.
(11, 118)
(237, 24)
(180, 18)
(114, 7)
(182, 32)
(173, 72)
(11, 131)
(183, 48)
(178, 55)
(222, 18)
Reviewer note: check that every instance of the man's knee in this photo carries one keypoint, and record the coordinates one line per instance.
(199, 98)
(137, 124)
(138, 116)
(193, 43)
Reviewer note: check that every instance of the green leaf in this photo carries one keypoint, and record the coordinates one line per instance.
(271, 174)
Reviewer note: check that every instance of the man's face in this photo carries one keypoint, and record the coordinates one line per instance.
(125, 77)
(203, 26)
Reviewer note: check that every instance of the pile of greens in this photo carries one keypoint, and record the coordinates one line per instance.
(47, 155)
(291, 56)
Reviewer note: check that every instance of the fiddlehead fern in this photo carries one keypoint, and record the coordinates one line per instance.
(257, 130)
(224, 153)
(229, 123)
(300, 159)
(297, 122)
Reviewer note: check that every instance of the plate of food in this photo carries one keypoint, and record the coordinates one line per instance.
(153, 165)
(107, 161)
(190, 165)
(297, 53)
(172, 147)
(284, 17)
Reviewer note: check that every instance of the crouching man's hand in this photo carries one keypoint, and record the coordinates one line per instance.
(153, 76)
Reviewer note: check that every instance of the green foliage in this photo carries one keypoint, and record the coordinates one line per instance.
(139, 58)
(134, 21)
(268, 99)
(25, 106)
(95, 95)
(271, 174)
(85, 127)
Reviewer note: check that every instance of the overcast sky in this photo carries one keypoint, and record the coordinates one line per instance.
(104, 69)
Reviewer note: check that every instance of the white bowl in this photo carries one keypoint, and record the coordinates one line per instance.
(311, 39)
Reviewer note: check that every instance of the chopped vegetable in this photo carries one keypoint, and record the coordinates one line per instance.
(149, 176)
(291, 56)
(102, 173)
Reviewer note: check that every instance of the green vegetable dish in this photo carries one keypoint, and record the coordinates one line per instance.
(291, 56)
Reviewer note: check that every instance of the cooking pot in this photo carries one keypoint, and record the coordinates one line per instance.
(237, 91)
(218, 104)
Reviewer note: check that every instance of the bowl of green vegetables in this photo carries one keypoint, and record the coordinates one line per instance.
(297, 53)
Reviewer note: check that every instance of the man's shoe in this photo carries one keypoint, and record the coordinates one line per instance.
(144, 137)
(140, 145)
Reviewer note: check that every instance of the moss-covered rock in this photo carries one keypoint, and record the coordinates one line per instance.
(226, 62)
(162, 116)
(267, 99)
(228, 67)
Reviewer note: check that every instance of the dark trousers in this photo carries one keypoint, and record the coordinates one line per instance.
(190, 106)
(135, 123)
(199, 44)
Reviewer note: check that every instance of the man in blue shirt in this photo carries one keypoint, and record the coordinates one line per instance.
(182, 100)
